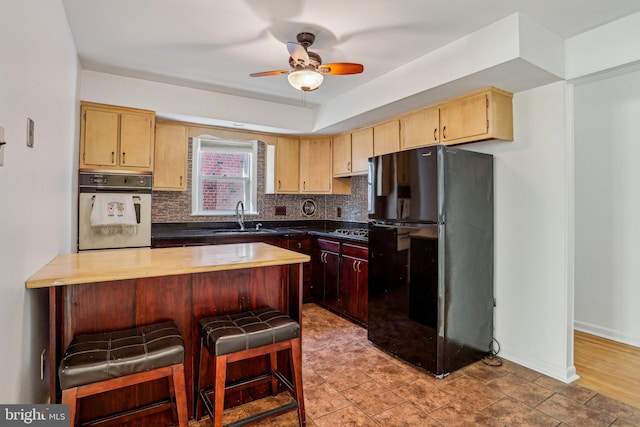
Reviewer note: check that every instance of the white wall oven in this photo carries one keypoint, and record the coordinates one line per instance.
(114, 211)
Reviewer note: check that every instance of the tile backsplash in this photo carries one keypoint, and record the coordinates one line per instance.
(175, 206)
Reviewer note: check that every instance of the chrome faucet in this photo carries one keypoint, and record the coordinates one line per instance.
(240, 214)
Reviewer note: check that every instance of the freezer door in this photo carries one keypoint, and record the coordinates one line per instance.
(404, 186)
(403, 292)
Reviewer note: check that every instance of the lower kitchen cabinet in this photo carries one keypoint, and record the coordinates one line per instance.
(354, 281)
(326, 272)
(303, 244)
(340, 277)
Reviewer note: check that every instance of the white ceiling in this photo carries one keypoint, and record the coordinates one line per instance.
(215, 44)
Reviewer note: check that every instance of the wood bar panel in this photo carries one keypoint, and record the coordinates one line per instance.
(184, 298)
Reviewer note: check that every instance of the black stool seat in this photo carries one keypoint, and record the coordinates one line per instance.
(241, 336)
(98, 357)
(243, 331)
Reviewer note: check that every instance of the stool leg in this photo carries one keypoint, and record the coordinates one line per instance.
(273, 359)
(296, 371)
(204, 365)
(220, 379)
(177, 378)
(70, 397)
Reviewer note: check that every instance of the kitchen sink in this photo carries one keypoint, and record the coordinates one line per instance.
(239, 231)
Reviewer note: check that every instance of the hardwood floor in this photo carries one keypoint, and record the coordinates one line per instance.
(608, 367)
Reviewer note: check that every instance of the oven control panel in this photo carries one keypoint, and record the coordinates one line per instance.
(92, 181)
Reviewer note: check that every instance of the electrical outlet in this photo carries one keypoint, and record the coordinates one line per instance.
(2, 144)
(281, 210)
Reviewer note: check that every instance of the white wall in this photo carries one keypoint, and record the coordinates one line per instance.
(533, 223)
(607, 148)
(38, 79)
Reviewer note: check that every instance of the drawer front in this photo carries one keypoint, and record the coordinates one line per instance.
(357, 251)
(328, 245)
(302, 244)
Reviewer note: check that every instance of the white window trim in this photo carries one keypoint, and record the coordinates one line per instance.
(251, 206)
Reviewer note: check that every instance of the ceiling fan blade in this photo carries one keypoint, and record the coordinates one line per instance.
(270, 73)
(298, 53)
(341, 68)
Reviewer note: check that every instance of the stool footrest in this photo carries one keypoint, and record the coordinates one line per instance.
(132, 414)
(292, 406)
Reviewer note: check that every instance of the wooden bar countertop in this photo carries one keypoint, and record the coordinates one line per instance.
(111, 265)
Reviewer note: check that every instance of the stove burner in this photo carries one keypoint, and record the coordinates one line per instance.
(360, 232)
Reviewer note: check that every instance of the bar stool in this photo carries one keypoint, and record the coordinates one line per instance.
(240, 336)
(101, 362)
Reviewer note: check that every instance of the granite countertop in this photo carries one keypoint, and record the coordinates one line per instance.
(168, 231)
(98, 266)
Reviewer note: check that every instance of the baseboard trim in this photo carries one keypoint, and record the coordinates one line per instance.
(566, 375)
(606, 333)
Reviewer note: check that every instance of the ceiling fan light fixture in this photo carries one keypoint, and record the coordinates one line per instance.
(305, 80)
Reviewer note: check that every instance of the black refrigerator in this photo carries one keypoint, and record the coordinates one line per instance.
(431, 256)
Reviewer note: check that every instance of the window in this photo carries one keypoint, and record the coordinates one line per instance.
(224, 173)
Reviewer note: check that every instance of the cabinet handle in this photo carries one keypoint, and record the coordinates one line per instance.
(354, 265)
(435, 134)
(113, 154)
(444, 132)
(349, 166)
(180, 180)
(123, 157)
(304, 185)
(325, 257)
(359, 263)
(299, 245)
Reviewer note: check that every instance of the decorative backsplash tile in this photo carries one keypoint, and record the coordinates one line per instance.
(175, 206)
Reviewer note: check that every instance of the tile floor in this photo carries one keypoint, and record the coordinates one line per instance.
(349, 382)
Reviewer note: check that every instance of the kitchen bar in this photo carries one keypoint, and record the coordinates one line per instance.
(110, 290)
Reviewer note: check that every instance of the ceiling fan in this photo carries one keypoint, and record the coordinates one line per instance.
(307, 69)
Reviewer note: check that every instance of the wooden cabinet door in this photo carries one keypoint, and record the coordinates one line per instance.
(386, 138)
(99, 137)
(464, 118)
(331, 279)
(363, 290)
(341, 154)
(421, 129)
(349, 286)
(136, 140)
(315, 165)
(171, 152)
(318, 273)
(361, 150)
(287, 165)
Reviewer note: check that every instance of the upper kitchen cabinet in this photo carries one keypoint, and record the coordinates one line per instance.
(361, 150)
(116, 138)
(171, 157)
(287, 165)
(386, 138)
(420, 129)
(315, 169)
(351, 153)
(480, 115)
(342, 155)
